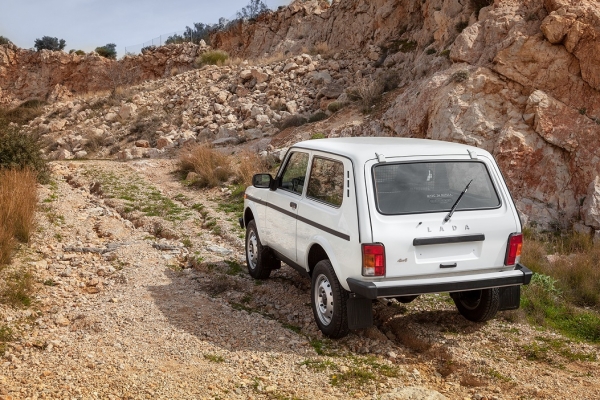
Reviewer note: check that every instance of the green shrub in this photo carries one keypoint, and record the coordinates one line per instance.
(212, 57)
(49, 43)
(430, 51)
(22, 151)
(108, 50)
(336, 106)
(317, 135)
(445, 53)
(318, 116)
(459, 76)
(4, 40)
(292, 120)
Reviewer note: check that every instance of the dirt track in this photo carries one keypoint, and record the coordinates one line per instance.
(122, 313)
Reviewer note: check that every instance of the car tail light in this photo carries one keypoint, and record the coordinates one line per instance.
(373, 259)
(513, 250)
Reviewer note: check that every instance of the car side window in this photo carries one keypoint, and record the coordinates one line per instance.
(326, 181)
(294, 174)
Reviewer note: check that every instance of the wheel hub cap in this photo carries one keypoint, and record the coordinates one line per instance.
(252, 250)
(324, 299)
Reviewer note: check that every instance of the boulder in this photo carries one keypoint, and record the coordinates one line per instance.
(591, 205)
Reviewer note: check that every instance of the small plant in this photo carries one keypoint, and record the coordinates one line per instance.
(248, 164)
(317, 135)
(368, 94)
(335, 106)
(187, 243)
(583, 111)
(210, 166)
(23, 151)
(291, 121)
(234, 268)
(18, 289)
(318, 116)
(4, 40)
(445, 53)
(459, 76)
(318, 365)
(214, 358)
(212, 57)
(430, 51)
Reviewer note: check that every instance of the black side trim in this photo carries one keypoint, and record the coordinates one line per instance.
(259, 201)
(448, 239)
(301, 219)
(324, 228)
(370, 291)
(292, 264)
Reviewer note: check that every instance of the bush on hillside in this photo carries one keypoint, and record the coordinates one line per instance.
(49, 43)
(212, 57)
(108, 51)
(78, 52)
(4, 40)
(292, 120)
(209, 166)
(20, 151)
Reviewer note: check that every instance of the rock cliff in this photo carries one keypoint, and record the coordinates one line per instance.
(522, 81)
(520, 78)
(27, 74)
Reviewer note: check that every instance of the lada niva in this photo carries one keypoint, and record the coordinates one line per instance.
(369, 218)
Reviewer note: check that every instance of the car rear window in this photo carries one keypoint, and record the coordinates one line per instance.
(408, 188)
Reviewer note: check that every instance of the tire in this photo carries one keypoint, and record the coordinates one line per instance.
(329, 301)
(477, 305)
(258, 258)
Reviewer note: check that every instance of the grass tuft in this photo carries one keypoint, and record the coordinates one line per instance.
(210, 166)
(18, 200)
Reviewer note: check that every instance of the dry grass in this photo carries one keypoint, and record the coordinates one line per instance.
(210, 166)
(248, 164)
(574, 265)
(18, 200)
(368, 93)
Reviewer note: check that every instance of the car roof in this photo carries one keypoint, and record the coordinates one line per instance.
(361, 149)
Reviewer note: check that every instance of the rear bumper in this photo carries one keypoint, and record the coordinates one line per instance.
(521, 275)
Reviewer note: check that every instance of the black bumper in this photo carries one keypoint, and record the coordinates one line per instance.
(371, 291)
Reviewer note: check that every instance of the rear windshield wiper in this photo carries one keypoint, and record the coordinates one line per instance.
(447, 218)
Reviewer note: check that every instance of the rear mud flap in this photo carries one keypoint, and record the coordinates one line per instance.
(510, 298)
(360, 312)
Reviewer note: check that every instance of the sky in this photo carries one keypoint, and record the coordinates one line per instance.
(87, 24)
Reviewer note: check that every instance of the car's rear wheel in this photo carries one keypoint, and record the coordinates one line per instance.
(329, 301)
(477, 305)
(257, 257)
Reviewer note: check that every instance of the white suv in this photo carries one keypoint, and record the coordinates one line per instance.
(369, 218)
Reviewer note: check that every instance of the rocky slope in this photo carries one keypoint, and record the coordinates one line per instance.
(521, 82)
(518, 78)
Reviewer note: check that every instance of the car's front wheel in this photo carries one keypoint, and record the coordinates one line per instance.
(329, 301)
(477, 305)
(256, 255)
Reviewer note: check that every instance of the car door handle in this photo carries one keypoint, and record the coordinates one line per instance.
(293, 205)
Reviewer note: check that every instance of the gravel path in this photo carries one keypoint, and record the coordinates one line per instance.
(167, 310)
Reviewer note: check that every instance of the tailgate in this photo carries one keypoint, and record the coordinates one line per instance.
(440, 217)
(422, 245)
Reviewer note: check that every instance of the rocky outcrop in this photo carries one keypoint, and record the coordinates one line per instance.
(347, 25)
(520, 78)
(55, 75)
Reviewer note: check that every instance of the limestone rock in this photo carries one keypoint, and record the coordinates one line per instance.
(591, 205)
